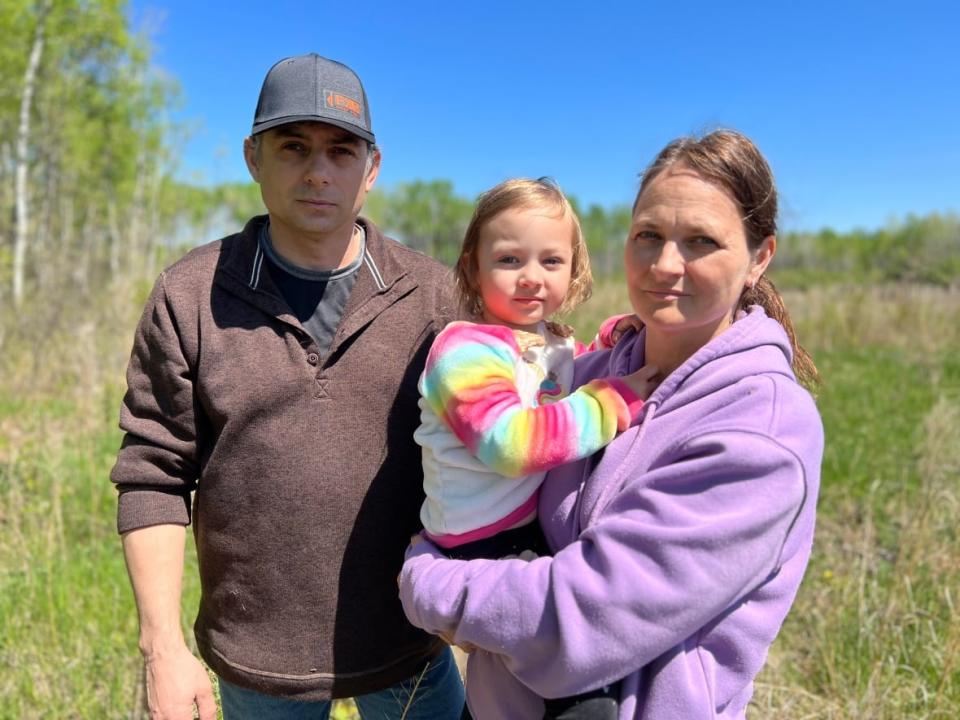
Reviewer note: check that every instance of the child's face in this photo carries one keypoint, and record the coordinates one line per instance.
(524, 262)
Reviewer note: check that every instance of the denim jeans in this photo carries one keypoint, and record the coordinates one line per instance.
(434, 694)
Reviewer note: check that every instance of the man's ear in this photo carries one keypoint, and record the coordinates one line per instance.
(250, 156)
(374, 170)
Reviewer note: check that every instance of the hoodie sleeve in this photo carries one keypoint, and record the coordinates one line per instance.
(674, 549)
(470, 384)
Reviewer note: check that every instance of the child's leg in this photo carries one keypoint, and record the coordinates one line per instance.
(599, 704)
(508, 542)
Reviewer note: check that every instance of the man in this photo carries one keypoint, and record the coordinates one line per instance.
(274, 377)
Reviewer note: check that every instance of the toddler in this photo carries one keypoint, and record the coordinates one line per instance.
(495, 408)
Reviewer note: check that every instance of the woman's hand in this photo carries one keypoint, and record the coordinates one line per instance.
(643, 381)
(447, 637)
(415, 539)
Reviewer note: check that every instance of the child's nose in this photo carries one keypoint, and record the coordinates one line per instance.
(529, 279)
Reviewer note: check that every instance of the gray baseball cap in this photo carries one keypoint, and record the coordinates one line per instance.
(313, 88)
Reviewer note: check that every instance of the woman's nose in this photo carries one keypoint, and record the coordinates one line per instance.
(669, 261)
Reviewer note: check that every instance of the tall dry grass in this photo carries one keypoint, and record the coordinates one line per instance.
(918, 319)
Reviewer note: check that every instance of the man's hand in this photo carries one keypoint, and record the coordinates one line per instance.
(176, 682)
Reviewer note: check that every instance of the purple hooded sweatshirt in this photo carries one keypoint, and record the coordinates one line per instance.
(678, 551)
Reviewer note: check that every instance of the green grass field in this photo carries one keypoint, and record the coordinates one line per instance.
(873, 632)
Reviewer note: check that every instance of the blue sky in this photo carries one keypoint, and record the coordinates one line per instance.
(855, 104)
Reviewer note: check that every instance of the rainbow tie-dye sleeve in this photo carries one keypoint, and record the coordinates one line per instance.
(469, 382)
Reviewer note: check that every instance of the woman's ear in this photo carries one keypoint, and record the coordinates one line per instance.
(762, 258)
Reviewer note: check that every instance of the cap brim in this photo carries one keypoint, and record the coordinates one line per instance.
(288, 119)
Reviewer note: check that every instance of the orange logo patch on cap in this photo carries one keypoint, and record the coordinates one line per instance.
(341, 102)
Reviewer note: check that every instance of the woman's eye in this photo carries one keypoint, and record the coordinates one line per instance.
(705, 241)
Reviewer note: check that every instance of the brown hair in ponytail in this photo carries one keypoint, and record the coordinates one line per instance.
(732, 161)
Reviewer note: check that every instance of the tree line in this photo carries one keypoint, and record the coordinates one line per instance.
(430, 216)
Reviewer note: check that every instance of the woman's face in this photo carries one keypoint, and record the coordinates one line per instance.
(687, 259)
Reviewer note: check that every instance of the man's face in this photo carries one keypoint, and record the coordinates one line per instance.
(313, 178)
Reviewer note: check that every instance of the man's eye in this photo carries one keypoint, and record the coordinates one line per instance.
(647, 236)
(294, 147)
(342, 150)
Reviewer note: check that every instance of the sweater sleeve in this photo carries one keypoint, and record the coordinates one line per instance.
(157, 465)
(470, 383)
(674, 549)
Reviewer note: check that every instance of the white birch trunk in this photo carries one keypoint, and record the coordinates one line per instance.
(23, 144)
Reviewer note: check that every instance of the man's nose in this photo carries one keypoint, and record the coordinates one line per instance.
(317, 170)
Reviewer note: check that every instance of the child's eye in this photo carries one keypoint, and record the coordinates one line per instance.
(507, 260)
(553, 261)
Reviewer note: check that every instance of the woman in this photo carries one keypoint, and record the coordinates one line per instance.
(680, 550)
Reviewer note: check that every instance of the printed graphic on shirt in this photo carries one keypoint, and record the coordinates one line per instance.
(550, 390)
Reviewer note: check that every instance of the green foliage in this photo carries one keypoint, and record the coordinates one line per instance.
(96, 149)
(604, 231)
(918, 249)
(428, 216)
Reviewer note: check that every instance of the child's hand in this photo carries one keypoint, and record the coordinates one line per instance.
(624, 324)
(643, 381)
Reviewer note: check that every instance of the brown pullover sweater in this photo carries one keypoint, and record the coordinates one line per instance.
(305, 478)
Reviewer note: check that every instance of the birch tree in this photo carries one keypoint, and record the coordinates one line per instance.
(23, 143)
